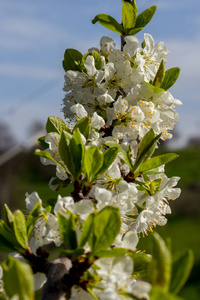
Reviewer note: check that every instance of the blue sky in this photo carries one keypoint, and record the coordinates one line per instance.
(35, 34)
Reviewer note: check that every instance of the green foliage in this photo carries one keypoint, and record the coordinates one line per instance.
(19, 225)
(145, 17)
(68, 230)
(108, 22)
(18, 279)
(181, 269)
(129, 15)
(32, 218)
(156, 161)
(159, 75)
(72, 60)
(141, 263)
(160, 265)
(55, 124)
(93, 163)
(170, 78)
(84, 126)
(71, 150)
(87, 229)
(106, 226)
(146, 148)
(114, 252)
(47, 155)
(121, 153)
(157, 294)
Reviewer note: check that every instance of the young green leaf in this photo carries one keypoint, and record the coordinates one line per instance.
(18, 279)
(108, 22)
(8, 233)
(68, 230)
(129, 296)
(84, 126)
(170, 78)
(146, 148)
(93, 162)
(145, 17)
(157, 293)
(159, 75)
(157, 161)
(71, 150)
(121, 153)
(97, 59)
(106, 227)
(6, 246)
(133, 31)
(129, 15)
(47, 155)
(42, 143)
(8, 215)
(87, 230)
(72, 60)
(181, 269)
(108, 157)
(55, 124)
(141, 261)
(32, 218)
(114, 252)
(160, 265)
(19, 225)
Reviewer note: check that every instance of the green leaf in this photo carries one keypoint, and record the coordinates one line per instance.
(72, 253)
(72, 60)
(83, 126)
(93, 162)
(32, 218)
(129, 15)
(6, 246)
(108, 22)
(47, 155)
(133, 31)
(87, 230)
(170, 78)
(129, 295)
(71, 150)
(68, 230)
(18, 279)
(160, 265)
(181, 269)
(121, 153)
(42, 143)
(97, 59)
(8, 215)
(156, 89)
(108, 157)
(146, 147)
(157, 293)
(20, 229)
(106, 227)
(145, 17)
(8, 233)
(159, 75)
(114, 252)
(55, 124)
(141, 261)
(157, 161)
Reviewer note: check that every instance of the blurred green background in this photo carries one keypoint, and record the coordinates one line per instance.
(24, 173)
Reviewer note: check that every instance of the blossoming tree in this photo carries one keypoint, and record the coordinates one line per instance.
(118, 108)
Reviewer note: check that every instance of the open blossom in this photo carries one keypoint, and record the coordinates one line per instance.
(116, 278)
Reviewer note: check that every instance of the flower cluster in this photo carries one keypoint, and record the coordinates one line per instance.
(118, 108)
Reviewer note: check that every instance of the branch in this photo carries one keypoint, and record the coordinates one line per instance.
(55, 288)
